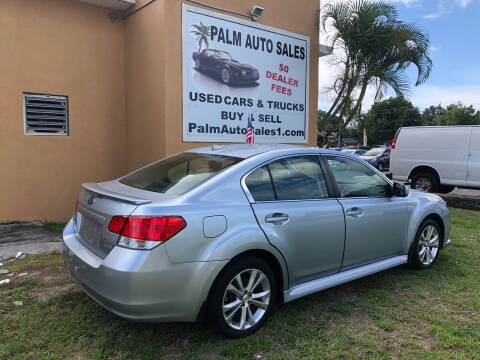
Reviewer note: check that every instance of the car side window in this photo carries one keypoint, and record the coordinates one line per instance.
(298, 178)
(355, 179)
(259, 185)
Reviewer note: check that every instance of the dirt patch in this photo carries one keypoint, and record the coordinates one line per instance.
(51, 281)
(48, 292)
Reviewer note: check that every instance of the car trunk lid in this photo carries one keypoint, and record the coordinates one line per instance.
(97, 204)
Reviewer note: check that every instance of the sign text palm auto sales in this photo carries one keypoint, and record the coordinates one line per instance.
(245, 69)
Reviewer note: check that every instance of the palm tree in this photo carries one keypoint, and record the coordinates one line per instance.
(376, 49)
(202, 32)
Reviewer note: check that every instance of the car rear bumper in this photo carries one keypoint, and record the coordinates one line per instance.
(141, 285)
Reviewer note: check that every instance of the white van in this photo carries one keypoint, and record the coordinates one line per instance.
(437, 158)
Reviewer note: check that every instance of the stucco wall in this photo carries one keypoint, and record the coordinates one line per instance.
(66, 48)
(124, 83)
(145, 85)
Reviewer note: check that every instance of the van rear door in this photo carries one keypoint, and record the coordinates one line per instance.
(473, 173)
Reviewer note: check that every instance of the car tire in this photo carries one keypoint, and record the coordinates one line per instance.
(425, 181)
(232, 307)
(445, 189)
(426, 246)
(226, 76)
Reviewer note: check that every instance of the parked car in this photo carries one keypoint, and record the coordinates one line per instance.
(378, 157)
(357, 152)
(437, 158)
(220, 63)
(223, 233)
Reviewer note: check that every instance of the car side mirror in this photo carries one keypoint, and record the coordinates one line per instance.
(399, 190)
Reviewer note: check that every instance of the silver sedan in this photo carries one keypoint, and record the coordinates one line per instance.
(223, 233)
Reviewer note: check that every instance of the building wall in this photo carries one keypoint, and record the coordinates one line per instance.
(59, 47)
(124, 89)
(145, 85)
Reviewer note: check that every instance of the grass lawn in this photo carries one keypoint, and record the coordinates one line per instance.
(400, 314)
(57, 228)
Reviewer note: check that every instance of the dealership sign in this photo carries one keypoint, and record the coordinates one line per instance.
(234, 70)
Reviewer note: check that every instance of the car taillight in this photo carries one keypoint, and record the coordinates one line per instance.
(145, 232)
(394, 142)
(117, 223)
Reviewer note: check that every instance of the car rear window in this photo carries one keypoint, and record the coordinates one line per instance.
(260, 185)
(180, 173)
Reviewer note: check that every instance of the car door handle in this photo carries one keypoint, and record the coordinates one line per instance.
(354, 212)
(276, 218)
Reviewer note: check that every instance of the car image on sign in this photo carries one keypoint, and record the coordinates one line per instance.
(220, 64)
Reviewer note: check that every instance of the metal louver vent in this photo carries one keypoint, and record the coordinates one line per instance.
(45, 114)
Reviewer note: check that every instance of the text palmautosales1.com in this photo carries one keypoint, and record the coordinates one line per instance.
(237, 130)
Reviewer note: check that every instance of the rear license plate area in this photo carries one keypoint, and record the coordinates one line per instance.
(91, 229)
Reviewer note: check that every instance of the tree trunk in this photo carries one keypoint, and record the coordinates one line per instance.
(358, 105)
(344, 83)
(330, 113)
(342, 108)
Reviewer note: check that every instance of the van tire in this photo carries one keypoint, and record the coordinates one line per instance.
(426, 181)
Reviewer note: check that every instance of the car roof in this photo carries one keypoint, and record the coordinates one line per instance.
(246, 150)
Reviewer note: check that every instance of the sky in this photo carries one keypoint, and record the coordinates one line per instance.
(454, 30)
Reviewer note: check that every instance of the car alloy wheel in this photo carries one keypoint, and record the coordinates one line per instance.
(197, 64)
(242, 297)
(428, 245)
(425, 248)
(424, 184)
(246, 299)
(226, 76)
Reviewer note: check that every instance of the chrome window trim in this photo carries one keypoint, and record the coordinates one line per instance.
(368, 166)
(250, 198)
(364, 163)
(296, 200)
